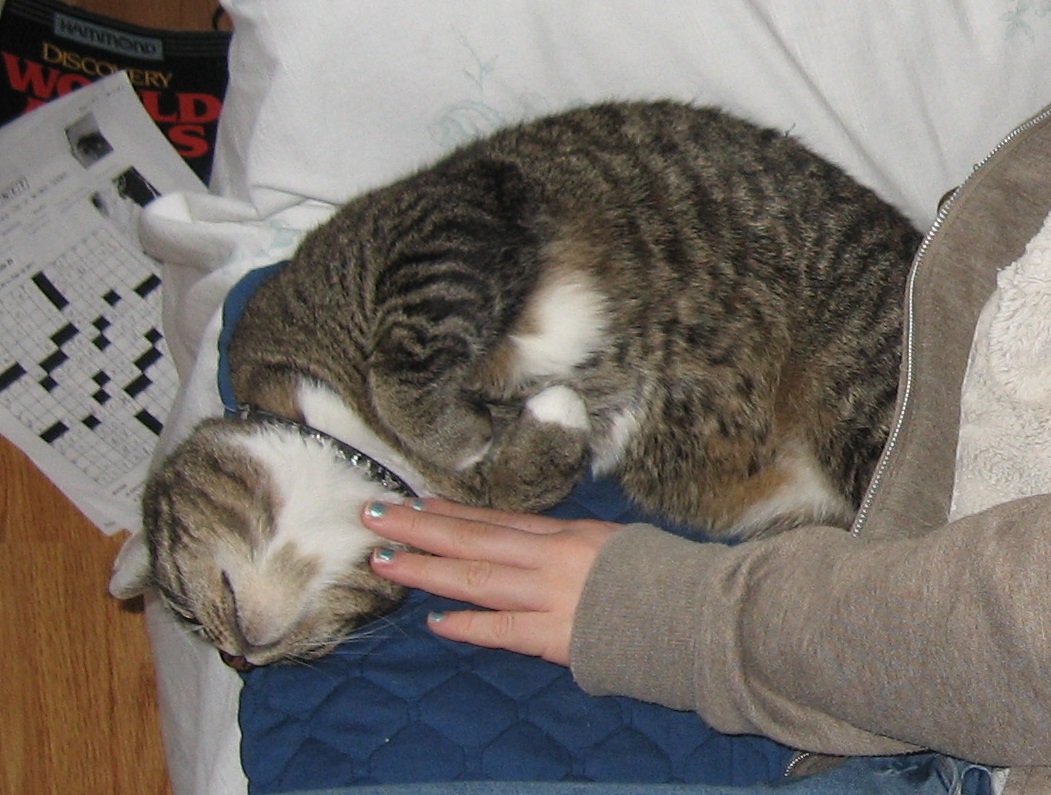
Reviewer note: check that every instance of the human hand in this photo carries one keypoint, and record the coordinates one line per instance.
(528, 570)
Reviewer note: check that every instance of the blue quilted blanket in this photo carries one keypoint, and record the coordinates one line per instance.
(397, 704)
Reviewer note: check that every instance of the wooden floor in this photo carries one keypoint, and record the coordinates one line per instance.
(76, 680)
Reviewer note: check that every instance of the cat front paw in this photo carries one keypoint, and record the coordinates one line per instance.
(545, 453)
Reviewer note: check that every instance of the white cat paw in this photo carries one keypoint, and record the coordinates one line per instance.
(560, 405)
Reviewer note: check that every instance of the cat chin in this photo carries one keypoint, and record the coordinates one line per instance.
(323, 623)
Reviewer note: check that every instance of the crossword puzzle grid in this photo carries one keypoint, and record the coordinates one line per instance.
(85, 366)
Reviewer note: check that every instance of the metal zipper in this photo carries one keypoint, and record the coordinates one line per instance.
(797, 758)
(943, 211)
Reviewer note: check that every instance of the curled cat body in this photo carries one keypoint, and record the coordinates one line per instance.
(666, 294)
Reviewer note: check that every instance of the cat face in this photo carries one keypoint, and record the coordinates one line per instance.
(255, 542)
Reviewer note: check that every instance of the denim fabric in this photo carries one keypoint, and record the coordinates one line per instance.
(919, 774)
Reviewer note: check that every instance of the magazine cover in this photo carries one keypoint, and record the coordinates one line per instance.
(48, 49)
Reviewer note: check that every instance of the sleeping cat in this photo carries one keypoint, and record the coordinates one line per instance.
(666, 294)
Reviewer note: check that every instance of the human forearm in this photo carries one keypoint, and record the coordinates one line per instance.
(832, 643)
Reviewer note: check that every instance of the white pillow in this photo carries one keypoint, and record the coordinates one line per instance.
(330, 97)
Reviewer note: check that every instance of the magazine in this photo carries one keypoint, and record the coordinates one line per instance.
(48, 49)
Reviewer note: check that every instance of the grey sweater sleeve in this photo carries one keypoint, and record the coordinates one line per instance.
(833, 643)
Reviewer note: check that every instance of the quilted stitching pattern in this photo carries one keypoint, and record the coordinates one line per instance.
(399, 705)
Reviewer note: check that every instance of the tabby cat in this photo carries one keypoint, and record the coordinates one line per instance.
(702, 308)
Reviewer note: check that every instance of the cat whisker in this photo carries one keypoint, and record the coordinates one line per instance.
(303, 661)
(375, 628)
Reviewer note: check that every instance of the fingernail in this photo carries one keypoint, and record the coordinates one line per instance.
(416, 505)
(384, 555)
(377, 510)
(436, 617)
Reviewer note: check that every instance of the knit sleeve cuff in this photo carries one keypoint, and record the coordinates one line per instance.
(629, 637)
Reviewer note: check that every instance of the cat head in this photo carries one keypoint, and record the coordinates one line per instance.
(254, 540)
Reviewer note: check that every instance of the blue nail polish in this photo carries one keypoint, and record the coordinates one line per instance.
(377, 510)
(384, 555)
(416, 505)
(436, 617)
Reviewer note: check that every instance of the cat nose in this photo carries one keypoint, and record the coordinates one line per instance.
(235, 661)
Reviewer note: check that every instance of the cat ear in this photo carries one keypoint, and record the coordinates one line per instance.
(131, 569)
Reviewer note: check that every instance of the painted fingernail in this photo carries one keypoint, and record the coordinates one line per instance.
(384, 555)
(416, 505)
(377, 510)
(436, 617)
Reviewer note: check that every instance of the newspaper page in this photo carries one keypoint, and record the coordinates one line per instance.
(85, 377)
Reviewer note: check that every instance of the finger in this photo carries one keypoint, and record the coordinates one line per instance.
(476, 581)
(452, 536)
(514, 631)
(530, 522)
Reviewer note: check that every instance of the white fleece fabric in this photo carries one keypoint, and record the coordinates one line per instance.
(1004, 447)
